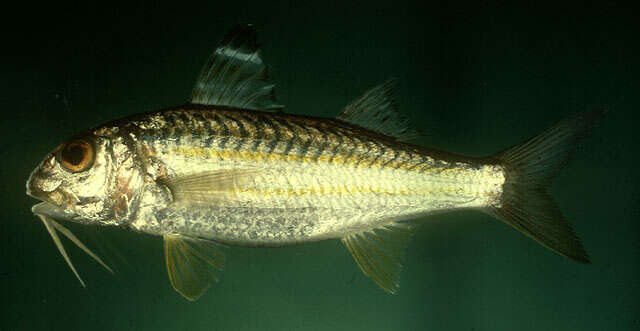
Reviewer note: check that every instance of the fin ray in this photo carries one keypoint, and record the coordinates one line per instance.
(378, 253)
(377, 110)
(210, 187)
(525, 203)
(190, 263)
(235, 75)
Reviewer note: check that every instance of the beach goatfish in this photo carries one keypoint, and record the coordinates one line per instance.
(230, 167)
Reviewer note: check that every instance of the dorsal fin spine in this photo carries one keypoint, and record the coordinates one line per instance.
(235, 75)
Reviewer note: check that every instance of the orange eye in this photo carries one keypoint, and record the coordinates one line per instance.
(76, 155)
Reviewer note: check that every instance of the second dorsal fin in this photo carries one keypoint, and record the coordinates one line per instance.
(377, 110)
(235, 75)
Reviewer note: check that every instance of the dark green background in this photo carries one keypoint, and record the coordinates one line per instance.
(477, 77)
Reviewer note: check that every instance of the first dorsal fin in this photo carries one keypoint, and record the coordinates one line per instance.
(235, 75)
(377, 110)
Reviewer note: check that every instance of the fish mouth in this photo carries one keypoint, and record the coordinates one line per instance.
(54, 196)
(40, 184)
(51, 210)
(53, 199)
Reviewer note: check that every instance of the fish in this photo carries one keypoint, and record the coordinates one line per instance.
(231, 168)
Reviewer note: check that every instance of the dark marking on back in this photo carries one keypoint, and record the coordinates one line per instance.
(258, 133)
(380, 153)
(223, 142)
(325, 142)
(396, 154)
(354, 147)
(290, 141)
(337, 149)
(243, 134)
(416, 163)
(223, 127)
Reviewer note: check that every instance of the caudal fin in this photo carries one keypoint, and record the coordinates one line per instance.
(525, 203)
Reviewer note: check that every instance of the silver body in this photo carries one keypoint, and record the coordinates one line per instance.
(347, 180)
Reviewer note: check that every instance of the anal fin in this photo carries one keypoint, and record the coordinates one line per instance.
(192, 264)
(379, 253)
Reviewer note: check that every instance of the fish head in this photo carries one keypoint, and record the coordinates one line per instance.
(75, 181)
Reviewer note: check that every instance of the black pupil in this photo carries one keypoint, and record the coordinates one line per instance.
(74, 154)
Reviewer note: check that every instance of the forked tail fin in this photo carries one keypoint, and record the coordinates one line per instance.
(525, 203)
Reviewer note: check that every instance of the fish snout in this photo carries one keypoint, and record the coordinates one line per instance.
(43, 184)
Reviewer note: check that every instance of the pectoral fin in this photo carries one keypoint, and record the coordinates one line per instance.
(192, 264)
(209, 188)
(379, 253)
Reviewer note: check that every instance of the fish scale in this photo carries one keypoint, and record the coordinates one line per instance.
(346, 179)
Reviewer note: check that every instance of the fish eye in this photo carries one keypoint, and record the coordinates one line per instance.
(76, 155)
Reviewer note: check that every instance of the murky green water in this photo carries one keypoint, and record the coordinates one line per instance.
(476, 78)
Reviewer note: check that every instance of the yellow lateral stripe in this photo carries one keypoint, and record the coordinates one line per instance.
(257, 156)
(341, 190)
